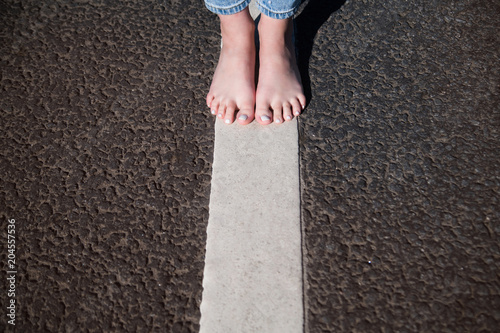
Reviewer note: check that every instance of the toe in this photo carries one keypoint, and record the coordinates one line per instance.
(229, 115)
(302, 101)
(210, 98)
(263, 115)
(296, 107)
(278, 114)
(221, 111)
(287, 112)
(214, 107)
(245, 116)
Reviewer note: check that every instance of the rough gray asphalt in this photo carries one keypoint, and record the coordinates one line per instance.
(106, 150)
(106, 162)
(400, 153)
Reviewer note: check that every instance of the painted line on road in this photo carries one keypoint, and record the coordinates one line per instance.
(253, 264)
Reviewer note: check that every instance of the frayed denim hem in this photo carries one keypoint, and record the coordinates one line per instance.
(231, 9)
(272, 13)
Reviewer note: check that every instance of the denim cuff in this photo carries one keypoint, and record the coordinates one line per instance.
(226, 7)
(284, 13)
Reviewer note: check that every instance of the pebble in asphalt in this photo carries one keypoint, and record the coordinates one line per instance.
(106, 162)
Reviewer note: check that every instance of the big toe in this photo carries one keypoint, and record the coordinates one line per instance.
(263, 115)
(245, 116)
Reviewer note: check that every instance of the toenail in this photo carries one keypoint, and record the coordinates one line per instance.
(277, 121)
(227, 121)
(243, 117)
(265, 118)
(288, 117)
(219, 115)
(297, 113)
(213, 111)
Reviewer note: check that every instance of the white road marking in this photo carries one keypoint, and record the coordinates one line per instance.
(253, 267)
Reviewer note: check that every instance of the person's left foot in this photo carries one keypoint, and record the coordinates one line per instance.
(279, 95)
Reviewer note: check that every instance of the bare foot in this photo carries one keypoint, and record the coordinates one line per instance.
(279, 92)
(233, 84)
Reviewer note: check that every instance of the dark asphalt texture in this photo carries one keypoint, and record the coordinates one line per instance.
(106, 152)
(400, 153)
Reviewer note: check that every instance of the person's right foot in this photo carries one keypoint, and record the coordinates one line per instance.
(233, 83)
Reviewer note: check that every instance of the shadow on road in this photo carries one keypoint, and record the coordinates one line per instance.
(308, 22)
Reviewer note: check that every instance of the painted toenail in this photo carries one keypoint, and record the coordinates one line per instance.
(277, 121)
(265, 118)
(219, 115)
(297, 113)
(213, 111)
(243, 117)
(227, 121)
(288, 117)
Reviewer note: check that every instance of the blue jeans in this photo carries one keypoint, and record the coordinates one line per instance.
(278, 9)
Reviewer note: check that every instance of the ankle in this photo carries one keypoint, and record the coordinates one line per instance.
(237, 29)
(275, 33)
